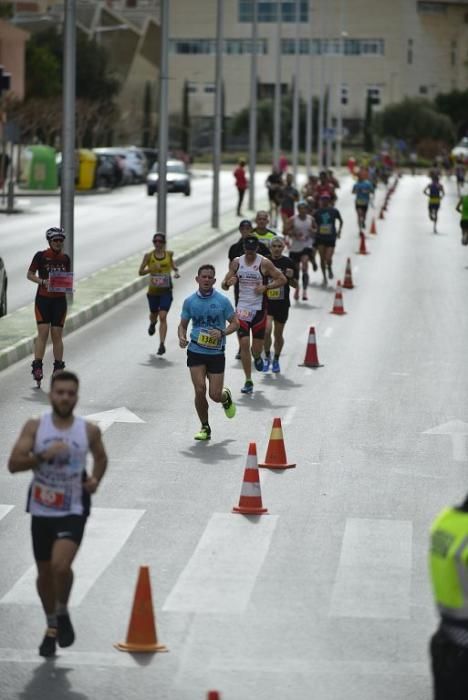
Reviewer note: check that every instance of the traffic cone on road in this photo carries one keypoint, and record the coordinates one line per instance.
(348, 276)
(141, 635)
(338, 307)
(213, 695)
(311, 357)
(373, 228)
(362, 246)
(250, 502)
(276, 452)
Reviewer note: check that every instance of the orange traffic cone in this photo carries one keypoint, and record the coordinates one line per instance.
(362, 247)
(311, 356)
(141, 635)
(338, 307)
(276, 452)
(373, 228)
(348, 276)
(250, 502)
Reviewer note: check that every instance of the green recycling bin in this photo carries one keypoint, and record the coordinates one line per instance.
(38, 168)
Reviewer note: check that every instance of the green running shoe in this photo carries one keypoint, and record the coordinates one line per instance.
(204, 433)
(229, 405)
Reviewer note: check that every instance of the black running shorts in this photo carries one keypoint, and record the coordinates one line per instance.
(278, 310)
(51, 310)
(45, 531)
(214, 363)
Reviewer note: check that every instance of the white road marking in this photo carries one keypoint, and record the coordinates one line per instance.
(289, 415)
(221, 573)
(374, 573)
(310, 666)
(457, 430)
(106, 532)
(327, 332)
(77, 658)
(399, 374)
(115, 415)
(4, 510)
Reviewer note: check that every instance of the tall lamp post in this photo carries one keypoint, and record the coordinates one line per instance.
(253, 108)
(163, 135)
(67, 190)
(339, 96)
(295, 114)
(310, 106)
(277, 102)
(218, 114)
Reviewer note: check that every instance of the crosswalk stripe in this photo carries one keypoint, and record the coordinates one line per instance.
(4, 510)
(106, 532)
(221, 573)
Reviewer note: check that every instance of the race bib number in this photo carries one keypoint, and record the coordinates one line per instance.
(434, 200)
(245, 314)
(162, 281)
(325, 229)
(361, 202)
(60, 281)
(276, 294)
(50, 498)
(207, 341)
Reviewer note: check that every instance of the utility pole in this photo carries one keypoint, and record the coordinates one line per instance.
(322, 90)
(253, 109)
(67, 189)
(339, 106)
(277, 102)
(163, 135)
(217, 115)
(295, 114)
(310, 106)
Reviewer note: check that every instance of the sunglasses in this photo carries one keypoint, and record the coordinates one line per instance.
(57, 240)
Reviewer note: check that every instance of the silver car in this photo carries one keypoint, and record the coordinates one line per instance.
(3, 289)
(177, 178)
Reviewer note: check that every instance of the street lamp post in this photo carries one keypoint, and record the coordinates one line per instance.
(321, 91)
(277, 102)
(67, 190)
(295, 114)
(217, 115)
(310, 107)
(253, 108)
(163, 135)
(339, 96)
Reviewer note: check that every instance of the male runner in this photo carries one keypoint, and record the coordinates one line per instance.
(274, 185)
(278, 305)
(289, 197)
(209, 311)
(325, 238)
(264, 234)
(324, 187)
(55, 448)
(251, 271)
(159, 264)
(462, 208)
(301, 230)
(363, 189)
(435, 192)
(50, 307)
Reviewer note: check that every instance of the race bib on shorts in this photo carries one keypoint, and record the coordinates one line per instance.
(276, 294)
(207, 341)
(49, 498)
(325, 229)
(162, 281)
(361, 202)
(245, 314)
(434, 200)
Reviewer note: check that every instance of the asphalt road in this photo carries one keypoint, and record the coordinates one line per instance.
(327, 596)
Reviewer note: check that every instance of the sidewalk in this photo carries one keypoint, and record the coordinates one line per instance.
(101, 291)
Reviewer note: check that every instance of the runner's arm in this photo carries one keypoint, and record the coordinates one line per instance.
(277, 277)
(231, 277)
(338, 216)
(98, 451)
(232, 327)
(459, 206)
(174, 266)
(182, 332)
(144, 266)
(22, 457)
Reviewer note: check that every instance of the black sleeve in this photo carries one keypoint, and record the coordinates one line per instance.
(36, 262)
(232, 252)
(264, 250)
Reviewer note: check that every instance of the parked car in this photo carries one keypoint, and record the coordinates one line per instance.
(461, 149)
(177, 178)
(3, 289)
(127, 176)
(108, 171)
(151, 155)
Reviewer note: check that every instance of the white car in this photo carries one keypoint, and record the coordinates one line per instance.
(461, 149)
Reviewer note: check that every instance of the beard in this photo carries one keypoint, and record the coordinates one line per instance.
(62, 412)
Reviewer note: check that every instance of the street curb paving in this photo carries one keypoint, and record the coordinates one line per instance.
(25, 347)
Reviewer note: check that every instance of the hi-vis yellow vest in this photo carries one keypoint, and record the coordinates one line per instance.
(448, 561)
(160, 273)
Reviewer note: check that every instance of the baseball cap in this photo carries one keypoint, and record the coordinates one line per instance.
(251, 243)
(245, 222)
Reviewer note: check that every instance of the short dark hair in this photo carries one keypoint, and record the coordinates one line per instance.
(64, 375)
(206, 267)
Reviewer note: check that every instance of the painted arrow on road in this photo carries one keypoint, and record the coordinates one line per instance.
(116, 415)
(458, 430)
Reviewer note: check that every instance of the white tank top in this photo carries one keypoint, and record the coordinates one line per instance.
(302, 238)
(250, 277)
(57, 486)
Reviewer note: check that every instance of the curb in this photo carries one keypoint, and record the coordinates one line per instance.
(25, 347)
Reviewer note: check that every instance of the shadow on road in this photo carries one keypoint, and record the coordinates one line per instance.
(281, 382)
(37, 396)
(211, 452)
(157, 362)
(50, 681)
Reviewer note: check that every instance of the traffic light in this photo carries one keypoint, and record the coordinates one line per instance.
(5, 79)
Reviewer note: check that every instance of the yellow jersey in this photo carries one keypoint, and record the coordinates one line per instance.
(160, 280)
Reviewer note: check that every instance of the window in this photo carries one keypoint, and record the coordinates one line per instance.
(432, 8)
(423, 90)
(192, 88)
(334, 47)
(267, 90)
(375, 95)
(409, 52)
(208, 46)
(210, 88)
(268, 11)
(344, 94)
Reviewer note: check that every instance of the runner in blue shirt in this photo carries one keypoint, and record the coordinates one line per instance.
(209, 310)
(363, 189)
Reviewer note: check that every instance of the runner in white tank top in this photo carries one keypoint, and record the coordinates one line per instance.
(301, 229)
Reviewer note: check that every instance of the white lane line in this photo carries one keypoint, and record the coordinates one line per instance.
(327, 332)
(311, 666)
(221, 573)
(77, 658)
(381, 548)
(4, 510)
(106, 532)
(289, 415)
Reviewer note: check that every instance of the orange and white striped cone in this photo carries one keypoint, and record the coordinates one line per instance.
(373, 227)
(250, 501)
(311, 357)
(348, 276)
(276, 452)
(362, 246)
(338, 307)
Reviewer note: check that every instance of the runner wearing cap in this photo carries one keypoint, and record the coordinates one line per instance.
(301, 230)
(325, 218)
(50, 307)
(250, 270)
(158, 264)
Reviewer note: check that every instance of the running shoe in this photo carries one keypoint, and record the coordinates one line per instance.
(314, 266)
(229, 405)
(258, 362)
(161, 349)
(65, 631)
(330, 272)
(275, 367)
(47, 647)
(58, 366)
(304, 296)
(247, 388)
(266, 364)
(204, 433)
(296, 294)
(151, 329)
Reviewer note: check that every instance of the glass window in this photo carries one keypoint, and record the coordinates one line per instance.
(432, 8)
(374, 93)
(344, 94)
(268, 11)
(208, 46)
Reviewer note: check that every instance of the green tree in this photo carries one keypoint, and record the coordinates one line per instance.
(43, 72)
(413, 120)
(455, 105)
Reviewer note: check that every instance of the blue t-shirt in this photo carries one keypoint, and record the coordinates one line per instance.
(363, 190)
(207, 313)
